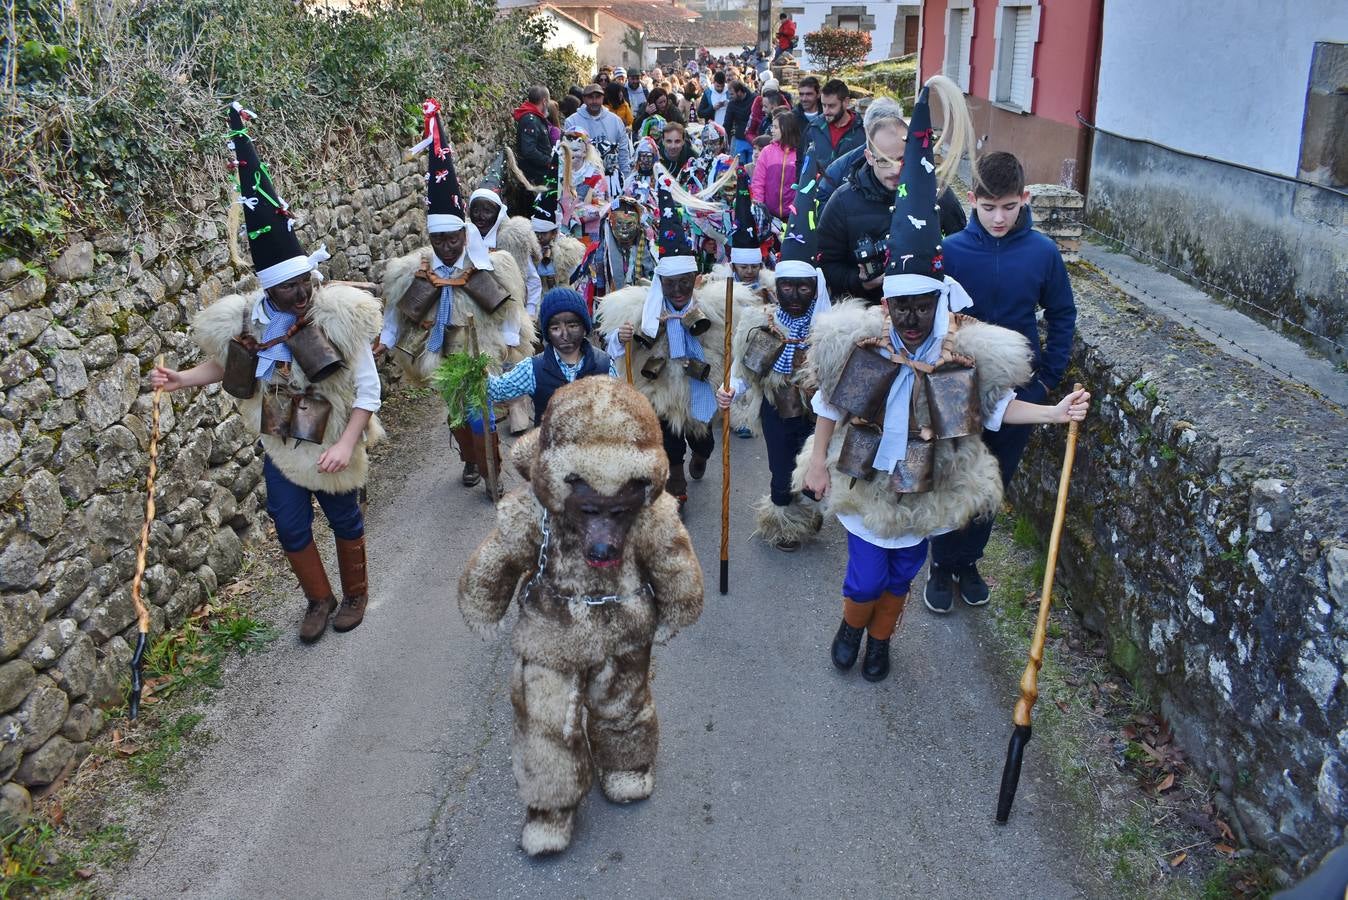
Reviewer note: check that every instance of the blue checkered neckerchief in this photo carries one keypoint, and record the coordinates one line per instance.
(278, 323)
(443, 310)
(682, 345)
(797, 329)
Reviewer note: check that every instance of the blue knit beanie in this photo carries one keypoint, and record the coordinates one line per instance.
(560, 300)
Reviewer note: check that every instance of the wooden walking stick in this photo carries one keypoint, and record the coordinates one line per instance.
(143, 611)
(627, 356)
(488, 420)
(725, 439)
(1029, 681)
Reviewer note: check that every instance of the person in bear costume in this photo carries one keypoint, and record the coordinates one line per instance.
(607, 570)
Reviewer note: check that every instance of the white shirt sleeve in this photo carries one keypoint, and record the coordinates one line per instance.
(738, 385)
(824, 409)
(511, 332)
(389, 335)
(533, 286)
(994, 421)
(615, 346)
(367, 381)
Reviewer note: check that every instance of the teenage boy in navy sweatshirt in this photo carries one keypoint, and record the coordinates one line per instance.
(1010, 271)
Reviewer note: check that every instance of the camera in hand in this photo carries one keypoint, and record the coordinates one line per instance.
(870, 255)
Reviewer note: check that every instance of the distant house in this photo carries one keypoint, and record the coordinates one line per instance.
(1027, 67)
(570, 31)
(621, 26)
(893, 26)
(669, 42)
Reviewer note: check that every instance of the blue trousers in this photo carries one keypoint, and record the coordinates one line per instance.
(872, 570)
(784, 438)
(957, 550)
(292, 509)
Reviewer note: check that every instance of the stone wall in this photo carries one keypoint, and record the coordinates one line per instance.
(1275, 243)
(1207, 539)
(77, 340)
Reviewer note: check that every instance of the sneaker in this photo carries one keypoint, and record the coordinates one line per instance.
(939, 594)
(973, 588)
(743, 431)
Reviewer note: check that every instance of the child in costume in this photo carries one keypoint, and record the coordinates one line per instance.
(912, 462)
(297, 356)
(584, 188)
(432, 295)
(771, 346)
(608, 570)
(567, 355)
(559, 254)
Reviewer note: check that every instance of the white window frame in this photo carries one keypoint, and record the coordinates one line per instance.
(961, 76)
(1006, 48)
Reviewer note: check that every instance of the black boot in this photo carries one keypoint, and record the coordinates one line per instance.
(875, 667)
(846, 643)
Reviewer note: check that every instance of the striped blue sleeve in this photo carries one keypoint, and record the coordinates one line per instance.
(612, 368)
(518, 382)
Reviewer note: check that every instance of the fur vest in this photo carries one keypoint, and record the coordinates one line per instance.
(669, 393)
(516, 237)
(744, 411)
(567, 252)
(490, 331)
(351, 319)
(967, 481)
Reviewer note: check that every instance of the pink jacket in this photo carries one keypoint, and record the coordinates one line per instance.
(774, 173)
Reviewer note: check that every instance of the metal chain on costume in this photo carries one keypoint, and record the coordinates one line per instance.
(587, 599)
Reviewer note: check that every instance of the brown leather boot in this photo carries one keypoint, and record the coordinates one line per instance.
(313, 578)
(677, 483)
(351, 565)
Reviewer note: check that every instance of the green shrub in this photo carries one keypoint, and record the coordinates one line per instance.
(116, 110)
(831, 49)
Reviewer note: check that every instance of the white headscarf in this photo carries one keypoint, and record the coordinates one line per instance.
(480, 245)
(655, 294)
(799, 268)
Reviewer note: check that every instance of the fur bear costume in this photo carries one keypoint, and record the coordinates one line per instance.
(588, 613)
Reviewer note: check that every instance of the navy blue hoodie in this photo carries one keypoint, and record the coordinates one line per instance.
(1008, 278)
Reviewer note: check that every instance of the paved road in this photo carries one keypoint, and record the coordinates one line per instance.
(376, 764)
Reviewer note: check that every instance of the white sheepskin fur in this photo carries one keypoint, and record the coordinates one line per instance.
(351, 319)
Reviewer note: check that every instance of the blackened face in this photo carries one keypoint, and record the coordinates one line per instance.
(565, 333)
(293, 294)
(795, 295)
(679, 288)
(602, 521)
(448, 245)
(747, 273)
(913, 317)
(483, 214)
(645, 163)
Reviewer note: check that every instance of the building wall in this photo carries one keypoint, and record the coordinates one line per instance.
(1265, 239)
(612, 50)
(568, 34)
(1049, 141)
(1241, 102)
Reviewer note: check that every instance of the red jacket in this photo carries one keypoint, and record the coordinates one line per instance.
(786, 32)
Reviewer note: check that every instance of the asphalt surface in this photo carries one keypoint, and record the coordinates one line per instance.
(377, 763)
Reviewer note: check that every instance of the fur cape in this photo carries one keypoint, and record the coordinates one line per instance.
(669, 393)
(966, 481)
(351, 319)
(744, 409)
(605, 434)
(799, 521)
(567, 252)
(516, 237)
(491, 339)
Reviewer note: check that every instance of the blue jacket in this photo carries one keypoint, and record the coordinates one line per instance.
(1008, 279)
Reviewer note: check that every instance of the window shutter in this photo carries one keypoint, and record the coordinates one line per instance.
(1023, 53)
(953, 42)
(966, 39)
